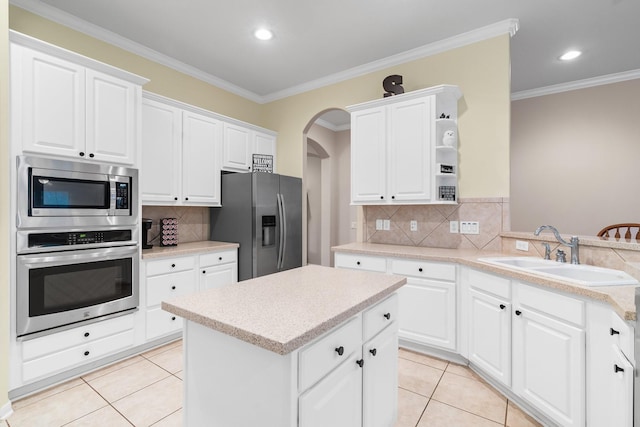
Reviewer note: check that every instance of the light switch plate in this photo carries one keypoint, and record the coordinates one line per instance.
(453, 226)
(521, 245)
(413, 225)
(378, 224)
(386, 224)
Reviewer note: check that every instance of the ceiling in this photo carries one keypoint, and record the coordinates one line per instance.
(321, 42)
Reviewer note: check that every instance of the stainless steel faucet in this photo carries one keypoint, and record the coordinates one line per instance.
(573, 243)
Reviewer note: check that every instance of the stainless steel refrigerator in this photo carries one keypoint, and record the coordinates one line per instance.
(263, 213)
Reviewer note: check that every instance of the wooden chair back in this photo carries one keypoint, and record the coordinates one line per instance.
(632, 231)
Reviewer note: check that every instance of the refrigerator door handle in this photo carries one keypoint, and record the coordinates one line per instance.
(281, 236)
(283, 225)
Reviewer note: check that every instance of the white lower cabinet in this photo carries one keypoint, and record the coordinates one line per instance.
(362, 389)
(427, 303)
(51, 354)
(172, 277)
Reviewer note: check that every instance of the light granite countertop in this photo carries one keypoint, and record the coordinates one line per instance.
(281, 312)
(190, 248)
(621, 298)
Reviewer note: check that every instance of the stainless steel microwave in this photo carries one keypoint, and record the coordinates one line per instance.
(58, 193)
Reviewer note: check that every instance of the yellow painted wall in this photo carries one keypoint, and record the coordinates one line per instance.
(481, 70)
(4, 201)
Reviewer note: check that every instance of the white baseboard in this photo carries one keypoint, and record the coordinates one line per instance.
(5, 411)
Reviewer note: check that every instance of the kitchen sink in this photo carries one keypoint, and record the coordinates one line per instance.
(585, 275)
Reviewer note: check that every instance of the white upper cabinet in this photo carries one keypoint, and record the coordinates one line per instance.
(241, 142)
(181, 152)
(397, 153)
(67, 105)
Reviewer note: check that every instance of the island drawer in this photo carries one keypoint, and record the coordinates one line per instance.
(380, 316)
(215, 258)
(322, 356)
(169, 265)
(361, 262)
(160, 322)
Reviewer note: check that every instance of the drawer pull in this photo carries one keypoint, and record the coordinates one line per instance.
(340, 350)
(420, 269)
(502, 306)
(387, 316)
(173, 318)
(175, 198)
(220, 258)
(173, 288)
(204, 271)
(86, 353)
(173, 266)
(617, 369)
(518, 312)
(373, 351)
(82, 154)
(613, 332)
(86, 334)
(381, 197)
(360, 362)
(357, 262)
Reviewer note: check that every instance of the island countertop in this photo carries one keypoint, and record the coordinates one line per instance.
(282, 312)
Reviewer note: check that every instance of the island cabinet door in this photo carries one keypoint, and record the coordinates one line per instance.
(336, 400)
(380, 382)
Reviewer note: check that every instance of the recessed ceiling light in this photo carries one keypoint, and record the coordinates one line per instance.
(572, 54)
(263, 34)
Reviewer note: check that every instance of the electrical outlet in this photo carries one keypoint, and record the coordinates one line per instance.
(453, 226)
(386, 224)
(413, 225)
(522, 245)
(378, 224)
(469, 227)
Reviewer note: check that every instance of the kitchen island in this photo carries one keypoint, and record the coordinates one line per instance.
(312, 346)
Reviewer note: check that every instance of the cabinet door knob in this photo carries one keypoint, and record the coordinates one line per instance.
(175, 198)
(86, 353)
(173, 266)
(86, 334)
(373, 351)
(173, 317)
(81, 154)
(393, 197)
(617, 369)
(220, 258)
(502, 306)
(91, 155)
(173, 288)
(340, 350)
(186, 198)
(387, 316)
(204, 271)
(420, 269)
(360, 362)
(613, 332)
(518, 312)
(357, 262)
(381, 197)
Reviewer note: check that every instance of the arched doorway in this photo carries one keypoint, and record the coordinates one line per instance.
(326, 180)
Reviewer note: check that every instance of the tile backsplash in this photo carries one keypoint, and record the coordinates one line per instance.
(193, 222)
(433, 224)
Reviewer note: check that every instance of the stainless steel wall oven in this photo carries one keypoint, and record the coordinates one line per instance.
(77, 243)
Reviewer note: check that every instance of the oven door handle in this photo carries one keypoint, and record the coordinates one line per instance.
(48, 259)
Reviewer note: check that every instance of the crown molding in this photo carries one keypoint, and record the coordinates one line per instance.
(509, 26)
(77, 24)
(577, 84)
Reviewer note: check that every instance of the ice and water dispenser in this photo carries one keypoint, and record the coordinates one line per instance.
(268, 230)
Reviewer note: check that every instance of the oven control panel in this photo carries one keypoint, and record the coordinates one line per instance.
(72, 238)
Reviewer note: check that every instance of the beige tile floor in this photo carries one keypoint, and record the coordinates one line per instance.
(146, 390)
